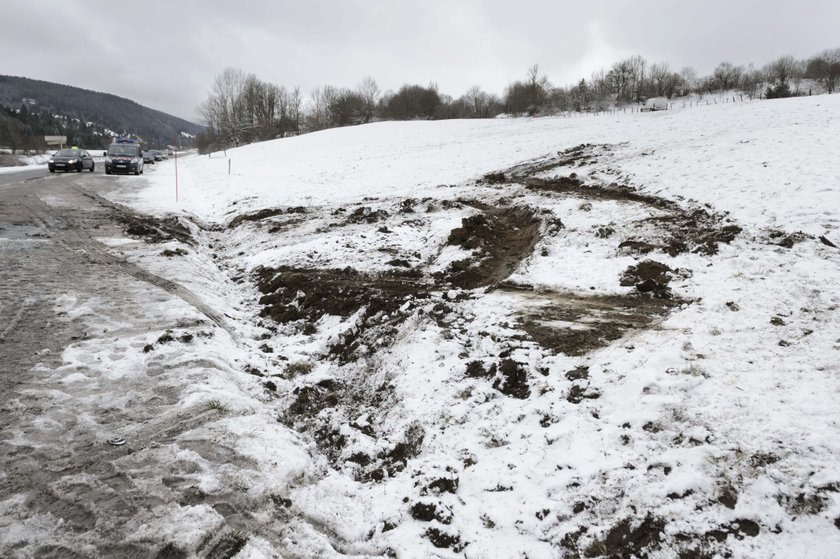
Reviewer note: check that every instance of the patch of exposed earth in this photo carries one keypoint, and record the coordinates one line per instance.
(345, 408)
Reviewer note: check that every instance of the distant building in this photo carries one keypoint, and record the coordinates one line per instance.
(29, 101)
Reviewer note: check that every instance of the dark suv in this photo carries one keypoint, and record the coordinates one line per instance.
(124, 156)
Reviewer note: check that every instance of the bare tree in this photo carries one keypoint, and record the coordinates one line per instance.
(727, 75)
(369, 93)
(688, 80)
(751, 80)
(225, 108)
(825, 68)
(782, 69)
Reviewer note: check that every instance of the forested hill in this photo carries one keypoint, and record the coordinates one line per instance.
(104, 110)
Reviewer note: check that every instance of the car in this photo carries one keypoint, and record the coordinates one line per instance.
(73, 159)
(124, 156)
(149, 157)
(158, 156)
(655, 104)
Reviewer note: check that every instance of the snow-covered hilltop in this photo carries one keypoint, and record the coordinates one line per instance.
(611, 336)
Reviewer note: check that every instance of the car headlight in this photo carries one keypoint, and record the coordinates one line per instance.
(71, 161)
(52, 161)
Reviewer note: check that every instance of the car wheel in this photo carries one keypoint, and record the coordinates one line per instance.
(52, 170)
(80, 167)
(92, 167)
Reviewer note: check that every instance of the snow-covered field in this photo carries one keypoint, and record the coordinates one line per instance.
(545, 409)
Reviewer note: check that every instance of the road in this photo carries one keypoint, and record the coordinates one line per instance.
(83, 361)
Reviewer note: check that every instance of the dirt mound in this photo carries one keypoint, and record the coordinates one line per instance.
(154, 230)
(366, 215)
(501, 237)
(649, 276)
(264, 214)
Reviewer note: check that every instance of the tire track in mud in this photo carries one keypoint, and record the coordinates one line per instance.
(78, 240)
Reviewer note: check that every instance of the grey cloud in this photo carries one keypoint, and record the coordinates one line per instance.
(164, 54)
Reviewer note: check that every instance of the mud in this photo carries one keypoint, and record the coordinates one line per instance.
(575, 324)
(264, 214)
(502, 238)
(649, 276)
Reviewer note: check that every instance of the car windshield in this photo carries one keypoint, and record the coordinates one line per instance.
(67, 153)
(118, 149)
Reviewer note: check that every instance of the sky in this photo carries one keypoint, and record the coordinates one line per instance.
(165, 54)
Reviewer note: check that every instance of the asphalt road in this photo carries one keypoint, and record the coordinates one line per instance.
(75, 316)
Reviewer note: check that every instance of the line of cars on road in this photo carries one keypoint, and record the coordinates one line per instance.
(123, 156)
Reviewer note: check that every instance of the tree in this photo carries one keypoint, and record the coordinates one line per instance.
(825, 68)
(727, 75)
(225, 108)
(413, 101)
(751, 80)
(782, 69)
(368, 92)
(688, 80)
(528, 96)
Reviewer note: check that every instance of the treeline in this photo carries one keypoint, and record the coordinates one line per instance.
(24, 129)
(241, 108)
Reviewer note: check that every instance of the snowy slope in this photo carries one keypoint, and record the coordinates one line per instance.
(710, 429)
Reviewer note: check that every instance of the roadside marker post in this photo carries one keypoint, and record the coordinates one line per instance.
(175, 152)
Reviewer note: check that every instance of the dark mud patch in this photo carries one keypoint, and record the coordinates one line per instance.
(306, 295)
(298, 293)
(574, 186)
(264, 214)
(627, 541)
(649, 276)
(578, 324)
(367, 215)
(698, 231)
(501, 237)
(154, 230)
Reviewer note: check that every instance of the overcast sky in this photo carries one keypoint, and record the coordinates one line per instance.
(165, 54)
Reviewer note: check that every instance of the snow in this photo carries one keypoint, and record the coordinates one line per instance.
(711, 398)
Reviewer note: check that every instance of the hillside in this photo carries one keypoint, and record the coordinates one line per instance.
(103, 109)
(598, 337)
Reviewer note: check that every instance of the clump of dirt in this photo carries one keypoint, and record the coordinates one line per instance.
(266, 213)
(578, 394)
(426, 512)
(649, 276)
(501, 237)
(494, 178)
(624, 541)
(443, 539)
(514, 380)
(154, 230)
(366, 215)
(177, 252)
